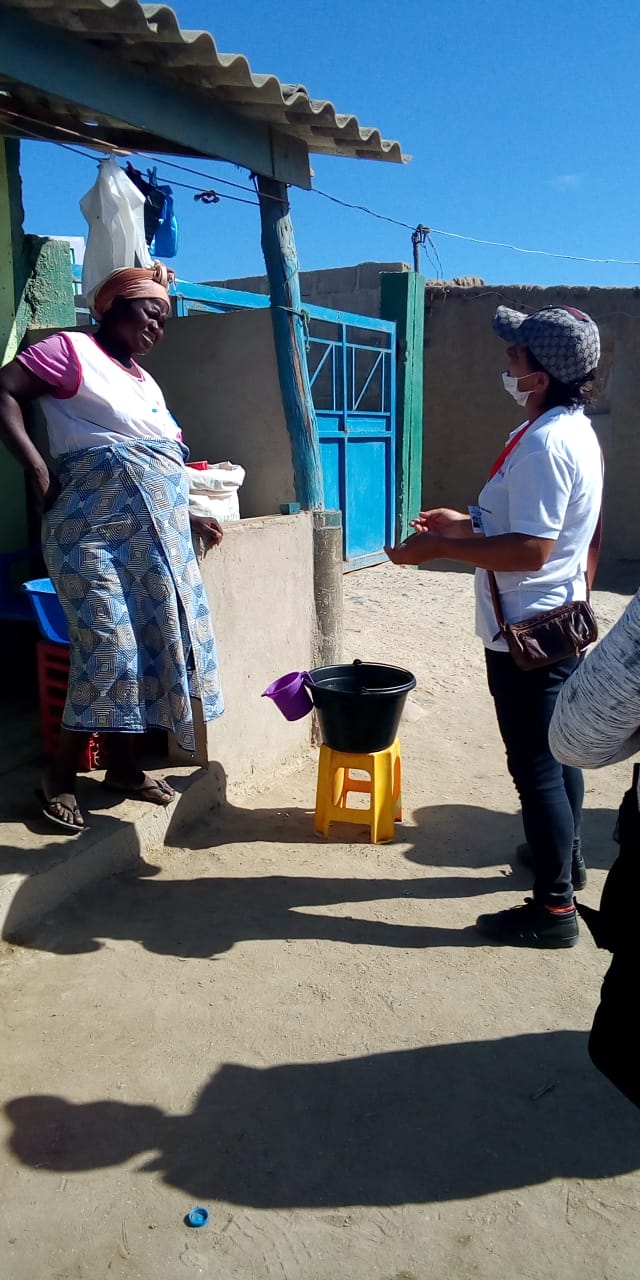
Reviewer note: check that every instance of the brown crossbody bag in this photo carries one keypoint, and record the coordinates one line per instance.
(560, 633)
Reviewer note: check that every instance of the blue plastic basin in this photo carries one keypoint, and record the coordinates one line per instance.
(47, 609)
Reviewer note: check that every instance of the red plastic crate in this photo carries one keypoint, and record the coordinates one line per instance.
(53, 678)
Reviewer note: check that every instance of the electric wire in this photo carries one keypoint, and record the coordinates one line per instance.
(345, 204)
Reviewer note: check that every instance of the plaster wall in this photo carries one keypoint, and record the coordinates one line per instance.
(220, 379)
(260, 587)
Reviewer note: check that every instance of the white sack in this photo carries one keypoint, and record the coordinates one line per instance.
(214, 492)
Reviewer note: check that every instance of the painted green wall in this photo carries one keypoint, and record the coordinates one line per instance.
(36, 291)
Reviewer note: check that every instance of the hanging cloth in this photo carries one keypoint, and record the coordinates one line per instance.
(113, 209)
(165, 244)
(154, 201)
(160, 222)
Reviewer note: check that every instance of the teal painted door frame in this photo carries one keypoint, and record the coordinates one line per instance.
(402, 297)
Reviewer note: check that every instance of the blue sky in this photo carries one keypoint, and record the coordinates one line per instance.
(522, 121)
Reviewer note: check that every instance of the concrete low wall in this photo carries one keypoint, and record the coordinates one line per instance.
(260, 585)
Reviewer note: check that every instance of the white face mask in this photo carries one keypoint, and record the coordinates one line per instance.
(510, 385)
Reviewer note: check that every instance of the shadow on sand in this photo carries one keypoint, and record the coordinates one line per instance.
(448, 1122)
(207, 915)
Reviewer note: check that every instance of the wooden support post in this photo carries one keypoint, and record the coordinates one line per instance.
(402, 300)
(289, 331)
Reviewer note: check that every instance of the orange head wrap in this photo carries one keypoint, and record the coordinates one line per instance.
(132, 282)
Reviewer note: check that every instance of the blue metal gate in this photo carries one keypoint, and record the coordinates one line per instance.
(352, 370)
(352, 373)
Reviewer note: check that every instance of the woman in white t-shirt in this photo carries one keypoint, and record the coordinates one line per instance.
(533, 526)
(116, 539)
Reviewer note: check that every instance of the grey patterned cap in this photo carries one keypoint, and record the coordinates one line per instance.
(564, 341)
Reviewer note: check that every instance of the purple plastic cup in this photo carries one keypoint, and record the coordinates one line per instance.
(290, 695)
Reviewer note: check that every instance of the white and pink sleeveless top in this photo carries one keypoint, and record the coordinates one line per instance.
(94, 400)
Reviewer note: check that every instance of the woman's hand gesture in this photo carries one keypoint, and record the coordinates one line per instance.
(444, 521)
(418, 548)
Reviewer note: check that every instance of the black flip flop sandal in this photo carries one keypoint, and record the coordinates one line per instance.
(72, 828)
(150, 792)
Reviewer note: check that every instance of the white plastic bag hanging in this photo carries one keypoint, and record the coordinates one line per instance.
(114, 209)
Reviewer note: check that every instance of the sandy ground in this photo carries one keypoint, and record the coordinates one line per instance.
(308, 1037)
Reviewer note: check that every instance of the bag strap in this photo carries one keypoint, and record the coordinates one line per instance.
(593, 556)
(497, 607)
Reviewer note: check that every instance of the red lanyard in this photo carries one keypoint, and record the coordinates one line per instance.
(508, 448)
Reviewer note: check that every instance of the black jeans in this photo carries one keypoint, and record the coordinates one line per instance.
(551, 794)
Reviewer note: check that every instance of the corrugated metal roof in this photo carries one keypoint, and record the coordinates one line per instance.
(149, 37)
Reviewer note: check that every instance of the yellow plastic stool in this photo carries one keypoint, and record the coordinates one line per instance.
(383, 785)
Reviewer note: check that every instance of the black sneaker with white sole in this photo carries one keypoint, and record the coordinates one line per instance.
(530, 926)
(578, 868)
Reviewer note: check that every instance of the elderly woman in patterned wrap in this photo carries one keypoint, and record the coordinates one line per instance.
(116, 538)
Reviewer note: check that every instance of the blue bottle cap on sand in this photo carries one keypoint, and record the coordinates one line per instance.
(197, 1217)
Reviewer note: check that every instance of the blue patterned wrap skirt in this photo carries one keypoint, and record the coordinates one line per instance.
(117, 544)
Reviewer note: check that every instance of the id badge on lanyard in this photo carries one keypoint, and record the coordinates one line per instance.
(477, 523)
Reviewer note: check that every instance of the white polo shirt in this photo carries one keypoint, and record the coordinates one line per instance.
(550, 486)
